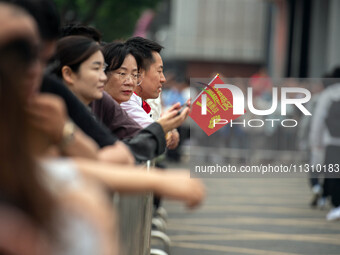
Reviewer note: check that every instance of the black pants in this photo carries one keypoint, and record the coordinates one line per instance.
(333, 158)
(335, 192)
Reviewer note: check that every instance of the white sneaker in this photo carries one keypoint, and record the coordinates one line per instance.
(334, 214)
(316, 189)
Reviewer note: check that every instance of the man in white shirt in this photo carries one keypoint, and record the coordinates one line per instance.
(152, 79)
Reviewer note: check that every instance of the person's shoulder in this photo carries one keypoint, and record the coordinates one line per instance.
(109, 100)
(133, 107)
(332, 91)
(52, 84)
(50, 78)
(134, 99)
(335, 87)
(106, 102)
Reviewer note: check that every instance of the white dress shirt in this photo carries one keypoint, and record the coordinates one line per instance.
(156, 107)
(134, 109)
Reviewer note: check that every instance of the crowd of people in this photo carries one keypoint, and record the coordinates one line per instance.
(79, 118)
(74, 127)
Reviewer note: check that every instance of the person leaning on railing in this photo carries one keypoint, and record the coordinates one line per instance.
(61, 196)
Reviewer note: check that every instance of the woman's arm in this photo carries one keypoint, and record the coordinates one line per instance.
(175, 185)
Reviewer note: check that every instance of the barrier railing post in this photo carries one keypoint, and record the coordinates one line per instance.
(134, 217)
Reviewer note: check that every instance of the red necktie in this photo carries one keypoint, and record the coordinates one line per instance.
(146, 107)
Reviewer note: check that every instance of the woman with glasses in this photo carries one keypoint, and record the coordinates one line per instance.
(122, 71)
(124, 64)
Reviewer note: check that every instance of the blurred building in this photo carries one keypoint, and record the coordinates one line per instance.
(296, 38)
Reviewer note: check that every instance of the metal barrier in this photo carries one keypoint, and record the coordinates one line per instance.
(245, 145)
(134, 216)
(246, 156)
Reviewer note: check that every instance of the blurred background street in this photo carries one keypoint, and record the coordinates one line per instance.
(253, 216)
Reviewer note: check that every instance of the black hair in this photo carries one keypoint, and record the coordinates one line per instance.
(72, 51)
(336, 72)
(144, 48)
(20, 178)
(331, 77)
(45, 14)
(79, 29)
(115, 54)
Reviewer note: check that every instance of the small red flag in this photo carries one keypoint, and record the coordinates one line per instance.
(219, 102)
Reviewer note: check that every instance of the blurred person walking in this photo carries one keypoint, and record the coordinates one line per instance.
(325, 132)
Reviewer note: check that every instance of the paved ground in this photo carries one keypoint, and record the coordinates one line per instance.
(253, 216)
